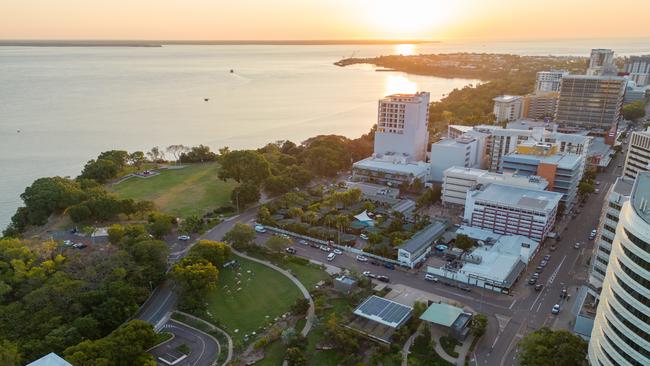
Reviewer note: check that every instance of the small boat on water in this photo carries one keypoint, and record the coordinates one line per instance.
(206, 99)
(232, 71)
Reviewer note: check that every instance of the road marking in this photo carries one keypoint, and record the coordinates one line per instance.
(202, 350)
(552, 278)
(513, 304)
(495, 341)
(161, 305)
(538, 306)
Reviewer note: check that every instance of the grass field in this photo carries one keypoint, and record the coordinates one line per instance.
(195, 189)
(264, 295)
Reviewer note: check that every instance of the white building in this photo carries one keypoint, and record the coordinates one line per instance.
(390, 170)
(622, 324)
(457, 181)
(402, 125)
(463, 152)
(638, 69)
(638, 154)
(512, 210)
(549, 81)
(416, 248)
(494, 264)
(618, 194)
(601, 62)
(507, 108)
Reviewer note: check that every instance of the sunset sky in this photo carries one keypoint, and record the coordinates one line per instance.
(324, 19)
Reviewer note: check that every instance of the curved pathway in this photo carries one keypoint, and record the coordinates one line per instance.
(303, 289)
(213, 328)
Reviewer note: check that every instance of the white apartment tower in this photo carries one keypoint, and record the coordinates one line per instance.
(638, 68)
(507, 108)
(549, 81)
(402, 126)
(638, 154)
(601, 62)
(621, 332)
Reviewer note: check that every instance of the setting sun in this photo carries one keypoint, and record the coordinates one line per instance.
(408, 18)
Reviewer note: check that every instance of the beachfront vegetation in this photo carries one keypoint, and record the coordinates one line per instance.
(53, 298)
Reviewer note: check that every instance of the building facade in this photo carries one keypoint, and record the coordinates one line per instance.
(512, 210)
(638, 154)
(638, 69)
(621, 332)
(590, 101)
(601, 62)
(549, 81)
(464, 151)
(390, 170)
(402, 125)
(540, 106)
(507, 108)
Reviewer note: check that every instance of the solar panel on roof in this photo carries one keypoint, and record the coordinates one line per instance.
(383, 311)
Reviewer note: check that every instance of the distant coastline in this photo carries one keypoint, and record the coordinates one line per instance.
(160, 43)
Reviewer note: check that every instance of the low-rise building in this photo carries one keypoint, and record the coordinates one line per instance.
(457, 181)
(50, 359)
(390, 170)
(512, 210)
(463, 151)
(416, 248)
(507, 108)
(377, 318)
(452, 319)
(345, 284)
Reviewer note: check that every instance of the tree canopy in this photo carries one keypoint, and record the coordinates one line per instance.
(547, 347)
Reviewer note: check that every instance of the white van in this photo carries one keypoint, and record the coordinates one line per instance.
(330, 257)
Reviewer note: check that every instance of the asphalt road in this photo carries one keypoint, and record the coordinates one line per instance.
(203, 348)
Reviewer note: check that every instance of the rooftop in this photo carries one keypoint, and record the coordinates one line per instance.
(600, 77)
(51, 359)
(623, 186)
(505, 178)
(562, 160)
(641, 196)
(517, 196)
(384, 311)
(459, 142)
(527, 124)
(506, 98)
(424, 237)
(442, 314)
(417, 168)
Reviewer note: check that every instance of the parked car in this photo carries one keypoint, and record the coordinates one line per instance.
(314, 245)
(592, 234)
(430, 277)
(290, 250)
(539, 268)
(539, 287)
(389, 265)
(383, 278)
(532, 281)
(337, 251)
(536, 275)
(303, 242)
(325, 248)
(552, 248)
(375, 262)
(285, 236)
(563, 293)
(543, 263)
(464, 287)
(369, 274)
(576, 245)
(68, 243)
(184, 237)
(547, 257)
(260, 229)
(330, 257)
(362, 258)
(79, 245)
(556, 309)
(363, 236)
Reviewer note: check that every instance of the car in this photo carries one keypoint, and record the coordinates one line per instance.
(314, 245)
(79, 245)
(337, 251)
(556, 309)
(532, 281)
(597, 190)
(369, 274)
(383, 278)
(547, 257)
(285, 236)
(362, 258)
(543, 263)
(539, 268)
(563, 294)
(375, 262)
(430, 277)
(363, 236)
(536, 275)
(303, 242)
(325, 248)
(576, 245)
(184, 237)
(539, 287)
(389, 265)
(552, 248)
(290, 250)
(464, 287)
(68, 243)
(260, 229)
(597, 182)
(330, 257)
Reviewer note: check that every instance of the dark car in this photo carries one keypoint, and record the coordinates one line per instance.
(389, 265)
(465, 288)
(532, 281)
(539, 287)
(383, 278)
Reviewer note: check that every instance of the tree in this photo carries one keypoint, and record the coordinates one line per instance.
(479, 325)
(118, 157)
(464, 242)
(155, 155)
(300, 307)
(191, 224)
(198, 154)
(423, 344)
(100, 170)
(214, 252)
(295, 357)
(46, 196)
(136, 159)
(195, 278)
(9, 354)
(264, 215)
(585, 188)
(295, 212)
(429, 197)
(548, 347)
(244, 166)
(240, 235)
(634, 110)
(176, 150)
(160, 224)
(245, 194)
(277, 243)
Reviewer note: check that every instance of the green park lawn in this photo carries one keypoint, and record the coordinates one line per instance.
(194, 189)
(265, 294)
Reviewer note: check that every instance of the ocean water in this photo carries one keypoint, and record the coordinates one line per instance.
(61, 106)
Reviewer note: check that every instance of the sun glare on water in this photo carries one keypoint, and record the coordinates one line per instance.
(396, 84)
(410, 18)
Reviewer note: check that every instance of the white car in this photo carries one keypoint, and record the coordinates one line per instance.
(363, 236)
(576, 245)
(303, 242)
(430, 277)
(325, 248)
(556, 309)
(368, 274)
(184, 237)
(337, 251)
(260, 229)
(362, 258)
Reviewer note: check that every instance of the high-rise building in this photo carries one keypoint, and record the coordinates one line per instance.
(507, 108)
(621, 332)
(638, 154)
(601, 62)
(540, 106)
(590, 102)
(402, 126)
(638, 69)
(463, 151)
(618, 194)
(549, 81)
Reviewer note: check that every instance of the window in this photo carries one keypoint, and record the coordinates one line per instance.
(629, 324)
(638, 242)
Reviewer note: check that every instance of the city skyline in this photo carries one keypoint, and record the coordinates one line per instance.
(337, 19)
